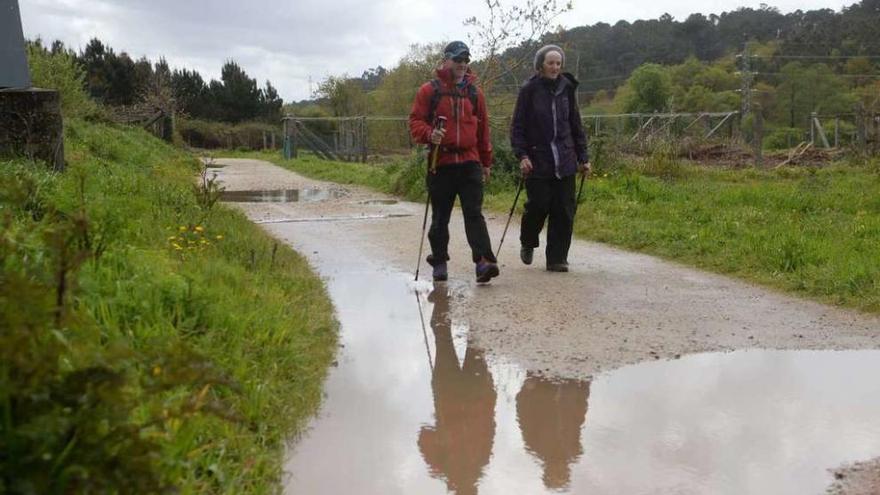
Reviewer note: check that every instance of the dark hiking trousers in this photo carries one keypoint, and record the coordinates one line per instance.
(553, 198)
(464, 180)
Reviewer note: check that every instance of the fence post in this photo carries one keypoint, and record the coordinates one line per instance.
(364, 139)
(837, 132)
(860, 126)
(758, 141)
(294, 141)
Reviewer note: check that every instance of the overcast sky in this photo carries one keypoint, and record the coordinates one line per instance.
(288, 42)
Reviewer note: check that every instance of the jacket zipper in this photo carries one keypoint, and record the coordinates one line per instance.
(458, 129)
(553, 142)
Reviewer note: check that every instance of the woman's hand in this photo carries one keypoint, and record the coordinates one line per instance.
(585, 169)
(525, 166)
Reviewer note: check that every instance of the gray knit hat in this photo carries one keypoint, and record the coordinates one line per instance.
(543, 51)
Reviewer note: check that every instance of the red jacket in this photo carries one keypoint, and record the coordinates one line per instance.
(467, 132)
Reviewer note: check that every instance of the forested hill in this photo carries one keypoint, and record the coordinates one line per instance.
(604, 54)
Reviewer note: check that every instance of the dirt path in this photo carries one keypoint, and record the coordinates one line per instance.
(614, 307)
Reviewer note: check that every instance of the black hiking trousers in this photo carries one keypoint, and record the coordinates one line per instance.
(553, 198)
(464, 180)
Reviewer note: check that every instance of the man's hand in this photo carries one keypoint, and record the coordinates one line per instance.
(437, 135)
(525, 166)
(585, 169)
(486, 173)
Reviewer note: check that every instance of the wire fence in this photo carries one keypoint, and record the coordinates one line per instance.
(355, 138)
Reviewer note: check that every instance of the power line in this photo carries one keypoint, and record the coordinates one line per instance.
(836, 75)
(833, 57)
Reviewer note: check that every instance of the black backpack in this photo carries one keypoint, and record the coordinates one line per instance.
(438, 92)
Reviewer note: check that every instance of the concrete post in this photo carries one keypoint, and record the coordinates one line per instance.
(31, 125)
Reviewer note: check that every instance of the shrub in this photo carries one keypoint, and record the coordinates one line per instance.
(783, 137)
(59, 71)
(210, 135)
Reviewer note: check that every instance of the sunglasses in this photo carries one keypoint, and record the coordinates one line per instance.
(463, 58)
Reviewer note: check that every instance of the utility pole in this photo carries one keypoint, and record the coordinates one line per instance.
(746, 102)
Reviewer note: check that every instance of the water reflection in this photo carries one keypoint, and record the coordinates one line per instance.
(550, 415)
(280, 195)
(449, 421)
(459, 444)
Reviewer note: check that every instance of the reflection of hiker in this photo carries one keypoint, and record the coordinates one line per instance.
(464, 158)
(550, 415)
(459, 445)
(548, 138)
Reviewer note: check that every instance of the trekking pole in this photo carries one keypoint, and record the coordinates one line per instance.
(424, 331)
(580, 193)
(432, 165)
(581, 188)
(515, 199)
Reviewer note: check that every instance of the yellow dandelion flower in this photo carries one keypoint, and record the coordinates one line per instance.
(218, 237)
(199, 228)
(182, 228)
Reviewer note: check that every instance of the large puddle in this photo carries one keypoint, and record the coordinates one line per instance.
(281, 195)
(413, 408)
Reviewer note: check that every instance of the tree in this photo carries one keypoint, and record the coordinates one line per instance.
(810, 88)
(271, 103)
(235, 97)
(650, 89)
(345, 95)
(506, 28)
(395, 94)
(189, 92)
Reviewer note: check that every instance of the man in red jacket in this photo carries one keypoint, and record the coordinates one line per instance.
(464, 158)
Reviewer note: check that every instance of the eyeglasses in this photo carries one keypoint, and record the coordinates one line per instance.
(463, 58)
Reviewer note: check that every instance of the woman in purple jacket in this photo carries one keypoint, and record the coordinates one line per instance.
(548, 138)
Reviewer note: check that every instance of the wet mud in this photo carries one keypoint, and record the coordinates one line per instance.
(615, 378)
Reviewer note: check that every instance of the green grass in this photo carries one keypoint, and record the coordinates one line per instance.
(812, 232)
(213, 353)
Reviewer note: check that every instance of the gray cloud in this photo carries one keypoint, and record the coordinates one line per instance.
(287, 42)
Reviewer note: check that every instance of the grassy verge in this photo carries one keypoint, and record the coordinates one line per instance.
(813, 232)
(150, 338)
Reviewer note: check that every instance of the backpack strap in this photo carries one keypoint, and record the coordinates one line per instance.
(473, 96)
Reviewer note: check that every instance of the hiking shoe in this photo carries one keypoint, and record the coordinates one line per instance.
(557, 267)
(486, 270)
(440, 273)
(526, 254)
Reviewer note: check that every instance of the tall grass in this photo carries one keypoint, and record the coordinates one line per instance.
(151, 340)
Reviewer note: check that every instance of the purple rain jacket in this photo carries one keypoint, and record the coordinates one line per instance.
(547, 127)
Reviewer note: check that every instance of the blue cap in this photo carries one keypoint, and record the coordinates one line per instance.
(456, 49)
